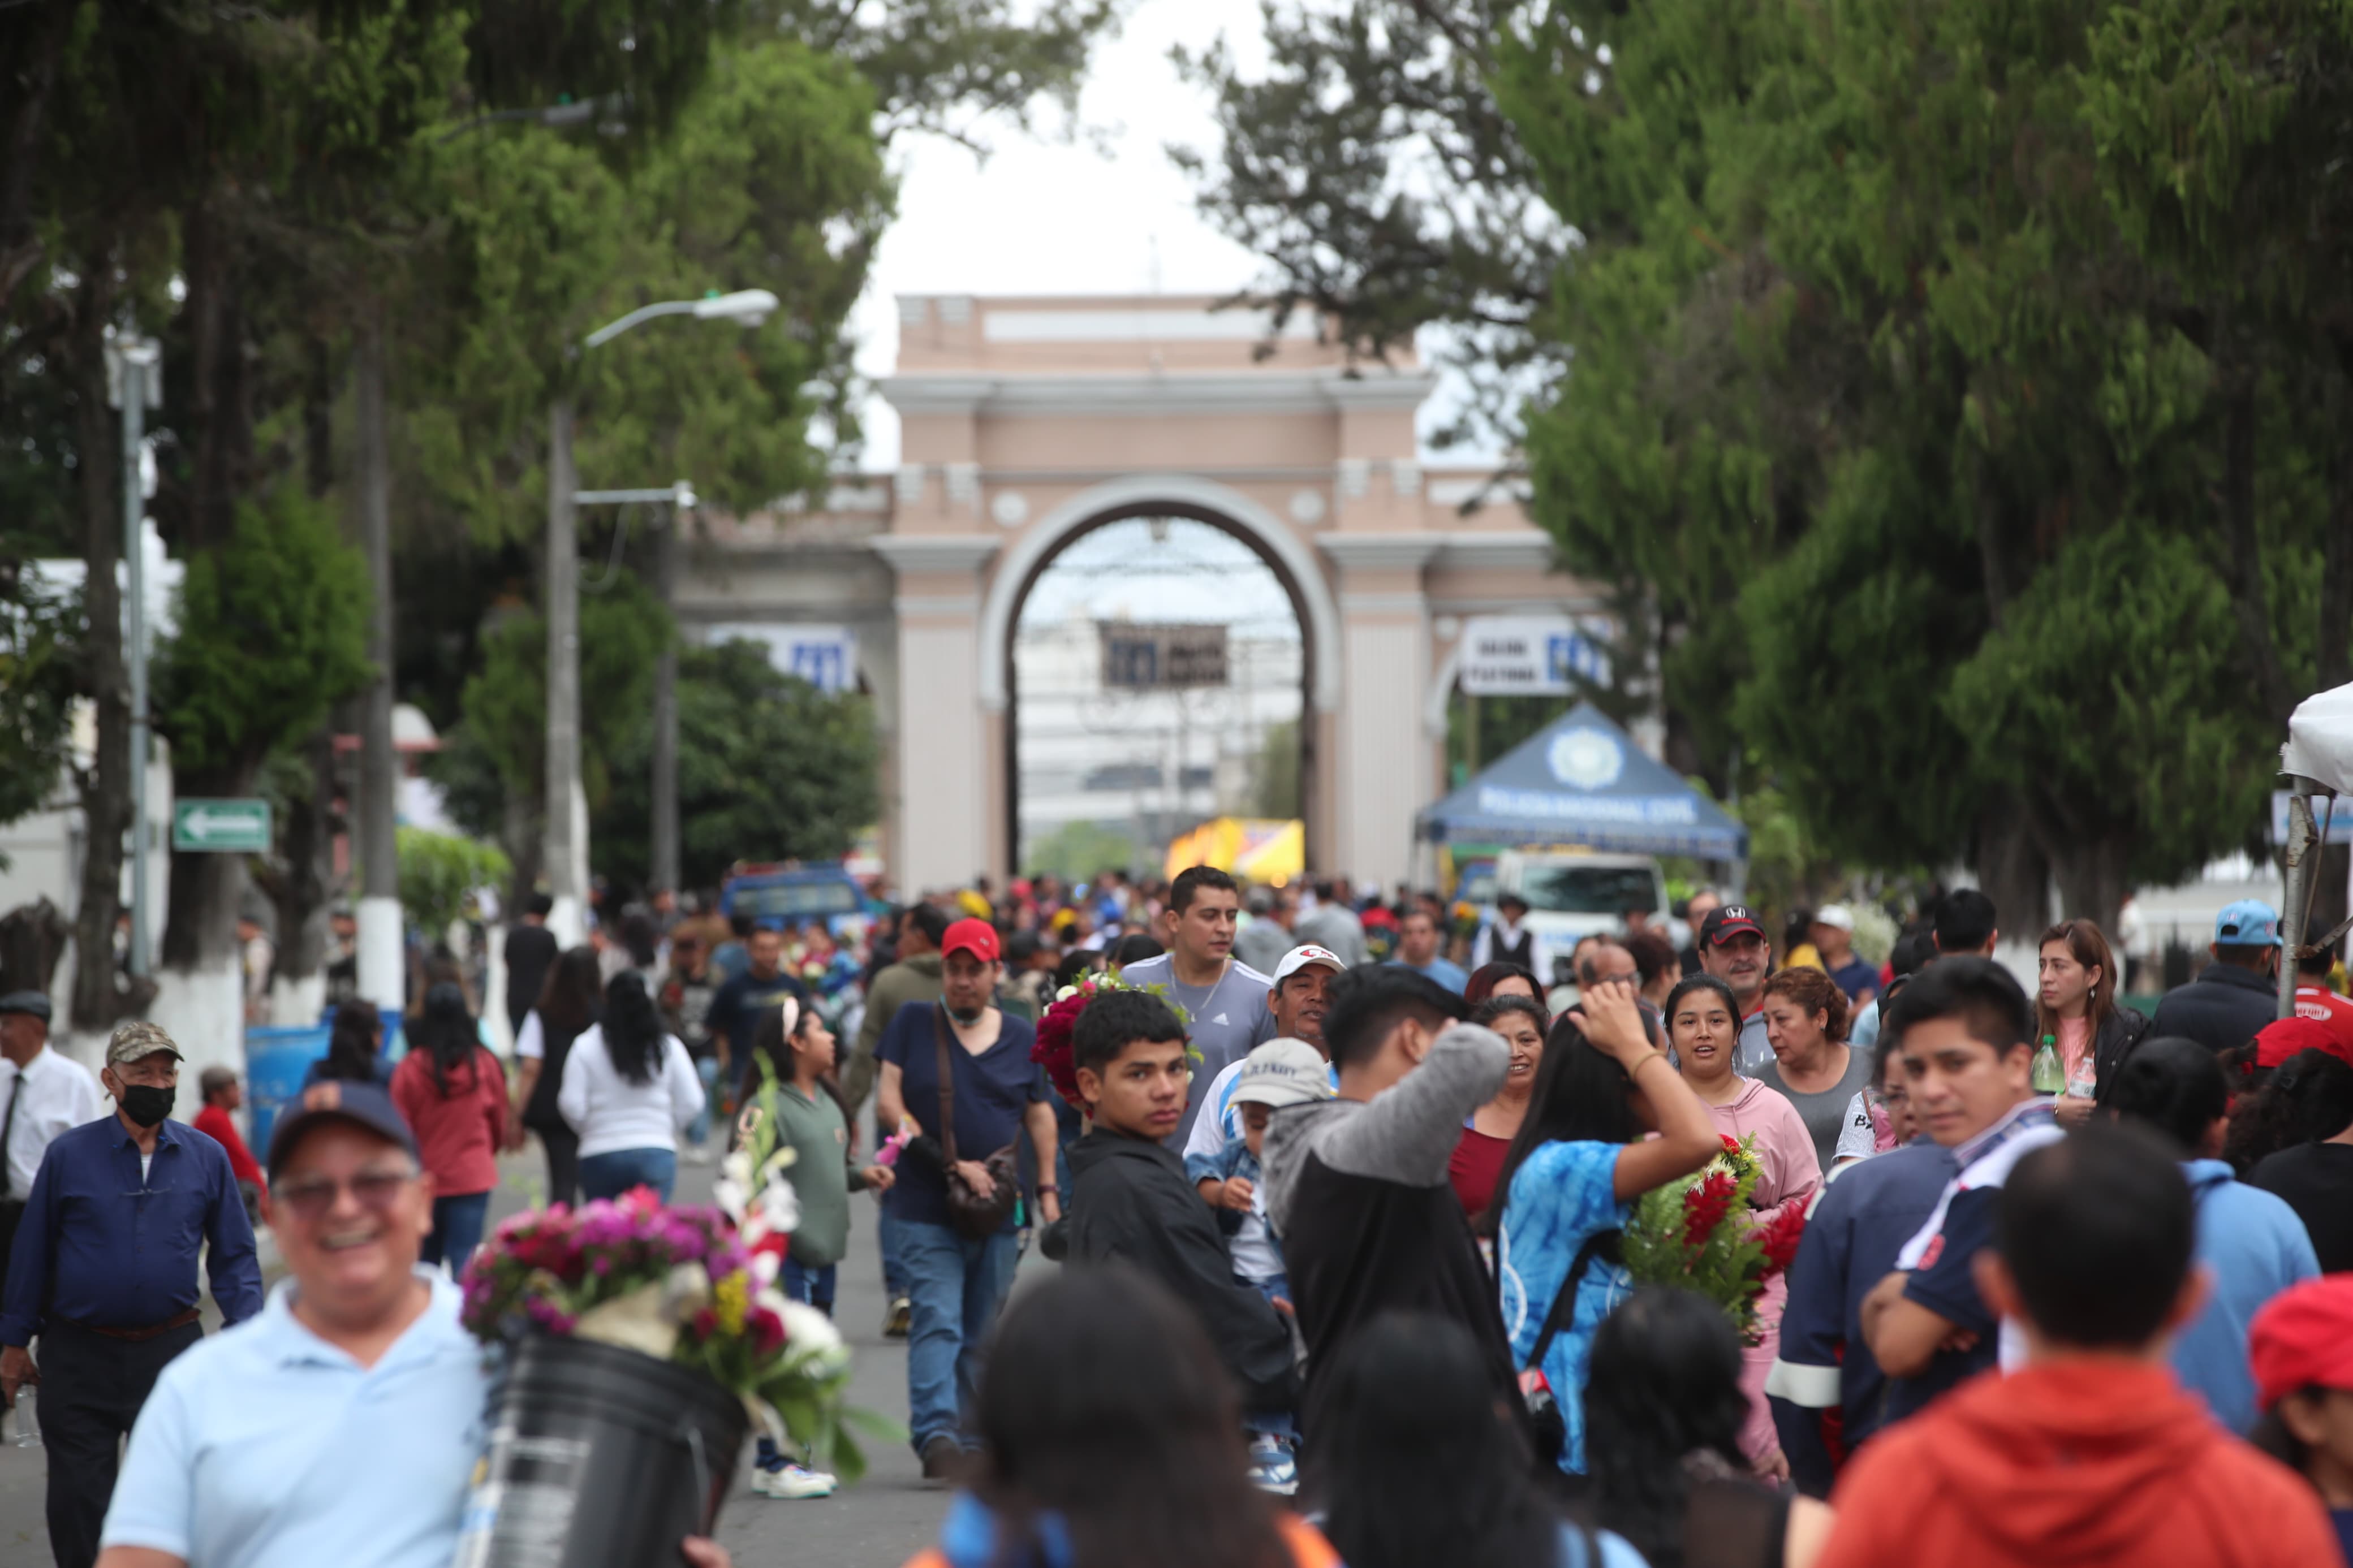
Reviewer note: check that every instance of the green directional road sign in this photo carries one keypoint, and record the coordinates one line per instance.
(232, 826)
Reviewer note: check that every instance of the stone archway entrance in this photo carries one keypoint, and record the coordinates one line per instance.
(1162, 497)
(1028, 422)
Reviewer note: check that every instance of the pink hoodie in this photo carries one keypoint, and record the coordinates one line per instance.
(1790, 1174)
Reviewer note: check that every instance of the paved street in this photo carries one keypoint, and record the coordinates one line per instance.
(878, 1523)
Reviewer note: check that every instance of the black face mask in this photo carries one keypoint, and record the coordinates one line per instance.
(146, 1103)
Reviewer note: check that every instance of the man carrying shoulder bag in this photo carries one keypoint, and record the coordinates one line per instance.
(961, 1068)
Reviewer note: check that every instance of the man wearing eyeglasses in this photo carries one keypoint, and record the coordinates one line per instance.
(103, 1269)
(341, 1425)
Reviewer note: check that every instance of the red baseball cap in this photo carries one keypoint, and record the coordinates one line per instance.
(2284, 1037)
(972, 935)
(2302, 1338)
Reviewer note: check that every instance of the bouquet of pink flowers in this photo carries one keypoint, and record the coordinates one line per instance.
(692, 1286)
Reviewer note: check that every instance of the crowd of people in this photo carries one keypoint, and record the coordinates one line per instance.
(1340, 1186)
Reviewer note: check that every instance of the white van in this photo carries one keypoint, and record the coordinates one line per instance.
(1572, 894)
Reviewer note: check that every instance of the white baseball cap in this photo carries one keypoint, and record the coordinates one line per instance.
(1282, 1072)
(1299, 958)
(1835, 915)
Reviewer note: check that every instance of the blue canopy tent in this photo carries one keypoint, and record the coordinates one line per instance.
(1581, 781)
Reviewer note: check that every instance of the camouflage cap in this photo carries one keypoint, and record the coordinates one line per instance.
(138, 1040)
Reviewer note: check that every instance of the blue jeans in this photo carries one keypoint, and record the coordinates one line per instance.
(956, 1285)
(608, 1175)
(886, 1239)
(457, 1230)
(1280, 1423)
(698, 1131)
(813, 1287)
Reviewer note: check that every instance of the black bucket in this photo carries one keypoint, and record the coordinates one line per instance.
(598, 1458)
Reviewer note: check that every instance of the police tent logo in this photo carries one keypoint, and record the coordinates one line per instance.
(1586, 758)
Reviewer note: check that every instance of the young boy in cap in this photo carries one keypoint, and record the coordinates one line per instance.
(1276, 1074)
(1132, 1202)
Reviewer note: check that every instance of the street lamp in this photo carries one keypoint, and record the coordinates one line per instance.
(564, 844)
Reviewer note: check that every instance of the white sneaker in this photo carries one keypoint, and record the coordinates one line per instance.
(791, 1481)
(1272, 1466)
(697, 1154)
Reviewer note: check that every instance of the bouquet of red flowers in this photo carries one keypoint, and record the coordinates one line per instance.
(1700, 1233)
(1053, 1050)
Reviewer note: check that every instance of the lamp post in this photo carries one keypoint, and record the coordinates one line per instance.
(565, 845)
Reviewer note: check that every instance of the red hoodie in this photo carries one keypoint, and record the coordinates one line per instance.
(2072, 1464)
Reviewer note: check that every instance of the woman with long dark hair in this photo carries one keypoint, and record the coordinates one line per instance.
(2076, 1008)
(570, 1000)
(630, 1090)
(1663, 1419)
(354, 1047)
(1569, 1182)
(1421, 1469)
(453, 1093)
(1111, 1439)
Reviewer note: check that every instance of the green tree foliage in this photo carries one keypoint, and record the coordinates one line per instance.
(1958, 391)
(39, 641)
(269, 636)
(769, 768)
(1078, 850)
(439, 873)
(1275, 785)
(504, 705)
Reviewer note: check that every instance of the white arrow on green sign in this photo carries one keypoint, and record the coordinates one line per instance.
(230, 826)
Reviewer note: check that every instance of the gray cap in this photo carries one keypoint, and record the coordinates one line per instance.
(36, 1002)
(138, 1040)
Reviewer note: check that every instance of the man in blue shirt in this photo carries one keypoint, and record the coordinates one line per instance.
(344, 1423)
(736, 1006)
(104, 1271)
(1417, 951)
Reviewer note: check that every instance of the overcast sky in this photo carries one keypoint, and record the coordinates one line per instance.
(1046, 217)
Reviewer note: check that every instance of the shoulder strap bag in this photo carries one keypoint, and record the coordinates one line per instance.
(971, 1215)
(1546, 1425)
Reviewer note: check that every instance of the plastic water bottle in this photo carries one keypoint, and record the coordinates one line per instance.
(28, 1432)
(2050, 1078)
(2083, 1083)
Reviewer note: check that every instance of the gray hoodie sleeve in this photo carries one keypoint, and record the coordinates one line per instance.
(1407, 1134)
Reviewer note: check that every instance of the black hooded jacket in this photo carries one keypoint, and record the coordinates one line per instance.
(1131, 1204)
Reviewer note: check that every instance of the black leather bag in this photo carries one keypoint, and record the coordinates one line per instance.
(972, 1216)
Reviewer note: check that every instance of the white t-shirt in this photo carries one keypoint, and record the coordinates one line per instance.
(530, 1040)
(611, 1113)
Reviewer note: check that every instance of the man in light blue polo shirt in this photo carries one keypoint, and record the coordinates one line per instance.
(342, 1424)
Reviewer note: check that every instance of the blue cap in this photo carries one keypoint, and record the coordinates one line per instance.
(335, 1099)
(2250, 923)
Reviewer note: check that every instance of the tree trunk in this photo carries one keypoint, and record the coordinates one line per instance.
(2093, 880)
(2011, 867)
(301, 888)
(101, 996)
(207, 887)
(20, 243)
